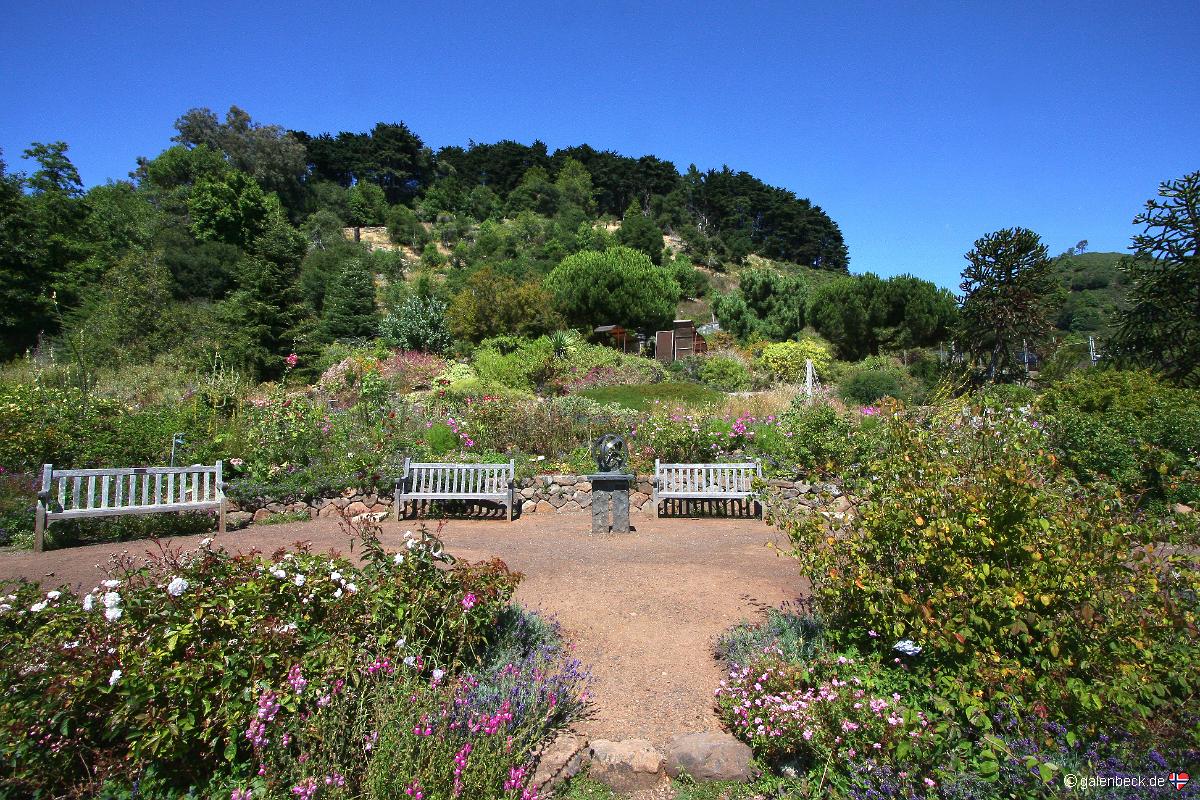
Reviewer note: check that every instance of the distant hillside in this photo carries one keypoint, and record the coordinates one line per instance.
(1095, 291)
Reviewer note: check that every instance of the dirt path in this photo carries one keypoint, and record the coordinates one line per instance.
(643, 609)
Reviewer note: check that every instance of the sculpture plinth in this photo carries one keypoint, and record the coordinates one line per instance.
(610, 502)
(610, 487)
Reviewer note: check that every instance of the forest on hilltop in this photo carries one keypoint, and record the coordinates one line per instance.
(231, 240)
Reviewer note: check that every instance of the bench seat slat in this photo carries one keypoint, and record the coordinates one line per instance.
(72, 513)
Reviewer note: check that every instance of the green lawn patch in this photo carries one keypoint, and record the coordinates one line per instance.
(639, 397)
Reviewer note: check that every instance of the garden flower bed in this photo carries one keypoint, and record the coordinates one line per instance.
(295, 675)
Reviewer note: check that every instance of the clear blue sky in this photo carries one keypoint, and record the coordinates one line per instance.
(917, 126)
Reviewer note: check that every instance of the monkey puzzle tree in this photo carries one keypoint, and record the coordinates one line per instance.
(1160, 327)
(1009, 298)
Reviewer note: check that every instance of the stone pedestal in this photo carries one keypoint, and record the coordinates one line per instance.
(610, 502)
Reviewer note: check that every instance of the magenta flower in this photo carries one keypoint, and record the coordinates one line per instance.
(292, 360)
(469, 601)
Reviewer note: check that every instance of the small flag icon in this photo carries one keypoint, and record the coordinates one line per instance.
(1179, 780)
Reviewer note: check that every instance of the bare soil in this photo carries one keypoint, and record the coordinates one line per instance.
(643, 609)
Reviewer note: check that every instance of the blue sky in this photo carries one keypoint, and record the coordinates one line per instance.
(917, 127)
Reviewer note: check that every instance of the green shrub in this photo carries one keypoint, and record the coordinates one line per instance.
(725, 373)
(441, 439)
(1130, 429)
(642, 397)
(786, 360)
(1095, 449)
(1017, 586)
(516, 370)
(868, 386)
(1002, 396)
(821, 440)
(418, 324)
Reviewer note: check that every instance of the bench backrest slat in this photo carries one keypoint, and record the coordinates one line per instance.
(115, 489)
(714, 478)
(446, 478)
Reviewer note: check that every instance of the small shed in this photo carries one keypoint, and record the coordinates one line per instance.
(681, 341)
(617, 338)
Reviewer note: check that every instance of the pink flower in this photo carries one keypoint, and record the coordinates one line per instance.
(292, 360)
(241, 794)
(305, 790)
(469, 601)
(296, 679)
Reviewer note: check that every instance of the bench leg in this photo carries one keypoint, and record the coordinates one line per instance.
(221, 518)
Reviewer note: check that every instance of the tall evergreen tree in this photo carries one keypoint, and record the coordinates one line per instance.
(24, 282)
(349, 309)
(1160, 327)
(266, 317)
(639, 232)
(1010, 297)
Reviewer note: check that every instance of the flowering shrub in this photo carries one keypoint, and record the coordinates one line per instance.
(1014, 582)
(827, 709)
(396, 725)
(796, 442)
(157, 665)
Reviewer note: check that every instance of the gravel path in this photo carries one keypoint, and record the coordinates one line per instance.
(642, 609)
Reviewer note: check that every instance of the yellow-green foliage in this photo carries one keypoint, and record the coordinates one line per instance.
(1017, 586)
(785, 360)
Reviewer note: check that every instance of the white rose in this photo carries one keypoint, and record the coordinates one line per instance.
(111, 584)
(338, 594)
(116, 676)
(36, 607)
(351, 588)
(112, 614)
(335, 576)
(278, 573)
(111, 600)
(398, 558)
(298, 580)
(177, 586)
(53, 595)
(89, 602)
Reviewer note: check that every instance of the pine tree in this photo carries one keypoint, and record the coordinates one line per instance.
(639, 232)
(349, 310)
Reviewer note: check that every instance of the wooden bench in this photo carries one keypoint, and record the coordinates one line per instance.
(704, 481)
(82, 493)
(440, 481)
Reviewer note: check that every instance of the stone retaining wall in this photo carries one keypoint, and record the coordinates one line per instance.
(546, 494)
